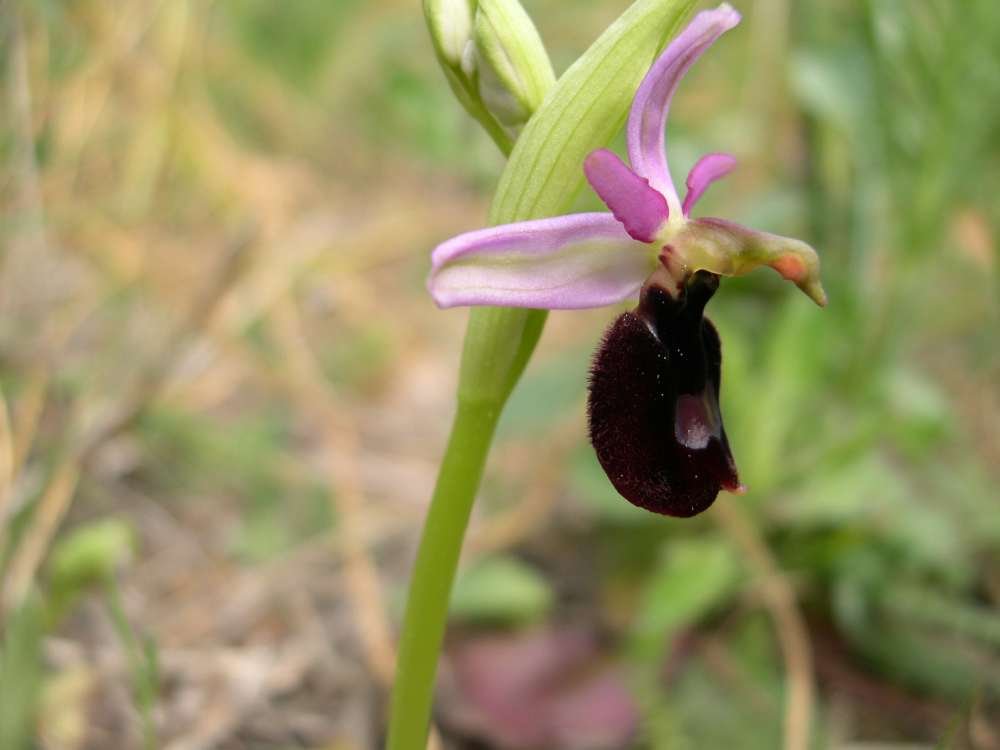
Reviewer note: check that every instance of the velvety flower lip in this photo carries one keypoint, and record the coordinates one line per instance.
(590, 260)
(653, 408)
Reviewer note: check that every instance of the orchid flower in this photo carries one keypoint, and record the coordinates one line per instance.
(653, 405)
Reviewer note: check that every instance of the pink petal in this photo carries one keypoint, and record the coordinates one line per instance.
(648, 117)
(566, 262)
(633, 202)
(710, 167)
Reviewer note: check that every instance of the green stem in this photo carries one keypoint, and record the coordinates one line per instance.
(141, 670)
(434, 571)
(498, 343)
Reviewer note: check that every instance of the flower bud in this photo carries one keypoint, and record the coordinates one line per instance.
(450, 24)
(513, 68)
(654, 402)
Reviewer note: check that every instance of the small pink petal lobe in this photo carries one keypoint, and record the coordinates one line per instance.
(639, 208)
(710, 167)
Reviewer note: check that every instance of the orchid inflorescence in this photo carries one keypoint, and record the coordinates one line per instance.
(653, 404)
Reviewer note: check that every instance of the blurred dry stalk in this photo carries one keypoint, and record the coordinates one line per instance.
(88, 95)
(29, 206)
(27, 416)
(341, 446)
(30, 403)
(28, 237)
(6, 465)
(780, 601)
(49, 511)
(763, 96)
(55, 500)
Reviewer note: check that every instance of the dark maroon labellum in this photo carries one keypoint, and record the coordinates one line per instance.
(654, 402)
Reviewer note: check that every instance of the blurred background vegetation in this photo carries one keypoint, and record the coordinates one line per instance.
(223, 393)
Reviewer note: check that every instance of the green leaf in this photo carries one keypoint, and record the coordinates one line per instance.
(694, 577)
(500, 590)
(90, 554)
(21, 674)
(86, 557)
(515, 73)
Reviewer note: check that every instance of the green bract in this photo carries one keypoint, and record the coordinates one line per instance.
(450, 25)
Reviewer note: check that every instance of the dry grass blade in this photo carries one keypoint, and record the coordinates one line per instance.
(348, 498)
(348, 495)
(779, 599)
(25, 167)
(6, 465)
(156, 372)
(26, 417)
(56, 498)
(51, 510)
(23, 423)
